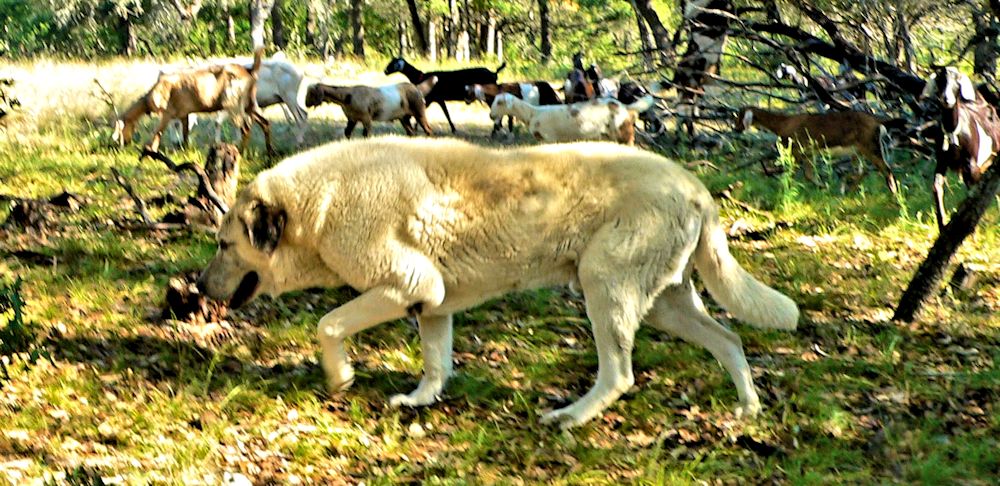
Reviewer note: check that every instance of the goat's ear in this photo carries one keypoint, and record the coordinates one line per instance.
(966, 89)
(265, 225)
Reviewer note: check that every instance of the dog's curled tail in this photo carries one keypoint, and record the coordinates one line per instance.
(735, 289)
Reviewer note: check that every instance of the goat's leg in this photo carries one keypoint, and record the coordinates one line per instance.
(808, 166)
(938, 190)
(883, 167)
(421, 118)
(510, 123)
(154, 143)
(405, 121)
(185, 132)
(366, 128)
(447, 115)
(349, 128)
(265, 126)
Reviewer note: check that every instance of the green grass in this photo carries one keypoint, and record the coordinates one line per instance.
(850, 397)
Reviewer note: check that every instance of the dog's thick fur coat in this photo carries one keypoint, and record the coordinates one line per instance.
(431, 227)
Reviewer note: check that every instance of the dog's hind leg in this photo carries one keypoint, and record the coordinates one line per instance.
(614, 316)
(435, 340)
(626, 265)
(678, 310)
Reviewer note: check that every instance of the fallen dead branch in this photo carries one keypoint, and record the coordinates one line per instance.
(36, 214)
(140, 205)
(107, 98)
(204, 182)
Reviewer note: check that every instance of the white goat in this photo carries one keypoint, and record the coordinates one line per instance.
(600, 119)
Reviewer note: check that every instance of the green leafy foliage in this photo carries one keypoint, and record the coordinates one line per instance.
(18, 339)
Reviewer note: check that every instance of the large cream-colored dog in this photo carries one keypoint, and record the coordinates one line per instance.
(431, 227)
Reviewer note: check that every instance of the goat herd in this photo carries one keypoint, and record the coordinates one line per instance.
(595, 108)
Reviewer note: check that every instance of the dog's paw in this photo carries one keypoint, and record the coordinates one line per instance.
(564, 418)
(415, 399)
(340, 383)
(747, 410)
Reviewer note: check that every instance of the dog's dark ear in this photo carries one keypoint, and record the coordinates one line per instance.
(266, 225)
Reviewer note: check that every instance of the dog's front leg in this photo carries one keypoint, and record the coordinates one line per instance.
(377, 305)
(435, 341)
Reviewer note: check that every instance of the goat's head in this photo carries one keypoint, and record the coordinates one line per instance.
(578, 88)
(314, 95)
(501, 105)
(593, 73)
(472, 92)
(395, 65)
(744, 118)
(947, 84)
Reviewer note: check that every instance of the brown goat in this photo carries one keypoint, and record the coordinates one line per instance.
(366, 104)
(175, 95)
(845, 129)
(969, 135)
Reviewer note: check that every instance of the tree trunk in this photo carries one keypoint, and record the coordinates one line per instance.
(358, 28)
(491, 35)
(546, 41)
(985, 50)
(311, 24)
(278, 26)
(645, 38)
(418, 28)
(499, 45)
(129, 39)
(401, 40)
(187, 13)
(432, 49)
(451, 28)
(962, 224)
(707, 37)
(259, 11)
(230, 27)
(661, 38)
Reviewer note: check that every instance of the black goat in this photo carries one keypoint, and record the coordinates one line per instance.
(970, 132)
(630, 92)
(450, 84)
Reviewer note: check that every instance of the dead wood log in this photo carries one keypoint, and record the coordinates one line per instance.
(140, 205)
(205, 186)
(29, 214)
(963, 223)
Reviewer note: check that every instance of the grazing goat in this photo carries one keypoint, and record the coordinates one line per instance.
(538, 93)
(365, 104)
(278, 82)
(175, 95)
(450, 84)
(281, 82)
(969, 136)
(845, 129)
(591, 120)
